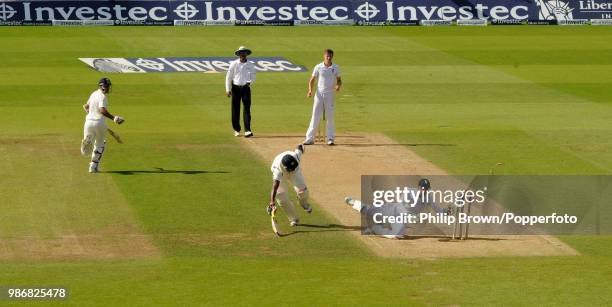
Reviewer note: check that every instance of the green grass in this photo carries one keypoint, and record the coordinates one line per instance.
(535, 98)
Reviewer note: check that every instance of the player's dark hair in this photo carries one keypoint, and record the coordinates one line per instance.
(329, 51)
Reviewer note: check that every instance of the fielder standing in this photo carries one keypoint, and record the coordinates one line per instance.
(240, 76)
(286, 170)
(94, 131)
(329, 82)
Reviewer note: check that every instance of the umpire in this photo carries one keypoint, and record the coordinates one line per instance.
(240, 76)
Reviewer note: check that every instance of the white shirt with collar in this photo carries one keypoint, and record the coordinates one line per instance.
(239, 73)
(327, 77)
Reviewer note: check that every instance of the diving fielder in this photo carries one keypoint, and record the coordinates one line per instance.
(329, 82)
(94, 131)
(286, 171)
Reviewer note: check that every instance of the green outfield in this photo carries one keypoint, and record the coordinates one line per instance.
(178, 216)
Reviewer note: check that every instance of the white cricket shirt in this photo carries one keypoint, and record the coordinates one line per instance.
(327, 77)
(277, 167)
(97, 100)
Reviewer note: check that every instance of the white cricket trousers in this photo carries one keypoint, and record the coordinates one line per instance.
(322, 101)
(282, 194)
(94, 131)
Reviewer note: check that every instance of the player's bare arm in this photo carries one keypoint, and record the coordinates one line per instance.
(311, 85)
(117, 119)
(338, 84)
(86, 108)
(275, 185)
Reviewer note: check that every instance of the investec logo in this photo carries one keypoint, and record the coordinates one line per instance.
(298, 11)
(186, 11)
(115, 12)
(6, 12)
(367, 11)
(36, 11)
(208, 10)
(396, 12)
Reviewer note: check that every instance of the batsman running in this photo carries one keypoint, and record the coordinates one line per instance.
(94, 130)
(286, 171)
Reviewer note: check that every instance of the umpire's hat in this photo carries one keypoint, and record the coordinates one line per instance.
(242, 49)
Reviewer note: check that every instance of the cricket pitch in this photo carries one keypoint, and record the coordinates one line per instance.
(334, 172)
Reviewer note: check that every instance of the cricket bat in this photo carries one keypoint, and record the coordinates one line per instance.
(275, 226)
(115, 136)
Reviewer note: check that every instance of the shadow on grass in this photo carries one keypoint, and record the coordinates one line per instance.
(351, 144)
(277, 136)
(292, 136)
(323, 228)
(159, 170)
(449, 239)
(375, 145)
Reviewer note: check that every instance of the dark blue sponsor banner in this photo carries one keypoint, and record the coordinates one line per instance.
(262, 12)
(450, 10)
(266, 11)
(445, 10)
(136, 12)
(186, 64)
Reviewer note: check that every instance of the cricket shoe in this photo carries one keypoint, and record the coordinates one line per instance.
(93, 167)
(248, 134)
(330, 142)
(294, 223)
(353, 203)
(308, 142)
(349, 201)
(236, 133)
(308, 209)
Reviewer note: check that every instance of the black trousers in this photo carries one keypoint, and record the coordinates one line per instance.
(244, 94)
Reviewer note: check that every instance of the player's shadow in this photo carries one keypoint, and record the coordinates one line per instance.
(324, 228)
(349, 144)
(159, 170)
(389, 145)
(445, 238)
(293, 136)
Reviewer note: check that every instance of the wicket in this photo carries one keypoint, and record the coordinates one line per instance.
(458, 232)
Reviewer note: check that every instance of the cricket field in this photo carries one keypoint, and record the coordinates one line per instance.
(177, 215)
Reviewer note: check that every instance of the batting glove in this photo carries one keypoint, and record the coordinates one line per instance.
(301, 148)
(449, 210)
(118, 120)
(270, 208)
